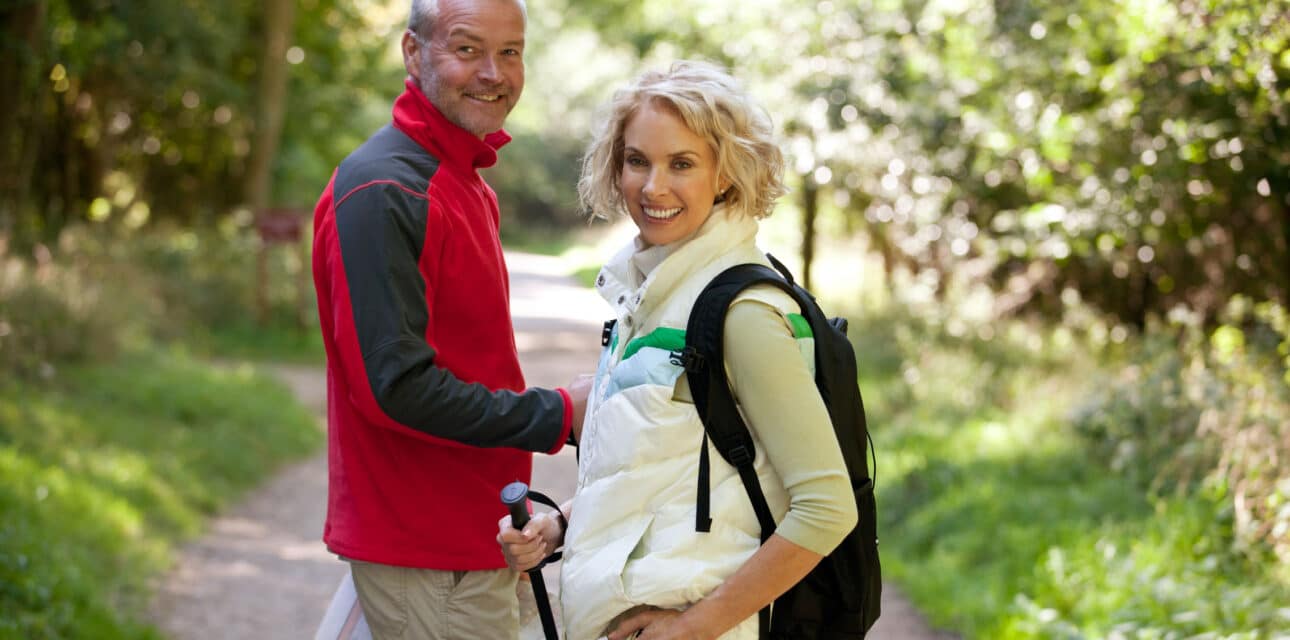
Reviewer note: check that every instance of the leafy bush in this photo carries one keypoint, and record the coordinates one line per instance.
(1209, 410)
(65, 310)
(1003, 517)
(98, 291)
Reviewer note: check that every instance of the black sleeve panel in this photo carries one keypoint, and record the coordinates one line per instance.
(430, 399)
(381, 226)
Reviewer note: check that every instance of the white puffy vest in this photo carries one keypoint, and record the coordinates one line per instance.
(632, 538)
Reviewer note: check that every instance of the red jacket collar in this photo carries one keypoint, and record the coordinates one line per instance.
(415, 116)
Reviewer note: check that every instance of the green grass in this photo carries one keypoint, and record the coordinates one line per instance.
(999, 521)
(586, 276)
(278, 342)
(104, 468)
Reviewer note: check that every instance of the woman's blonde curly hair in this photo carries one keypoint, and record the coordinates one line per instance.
(712, 105)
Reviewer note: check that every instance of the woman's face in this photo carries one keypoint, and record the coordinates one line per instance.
(669, 175)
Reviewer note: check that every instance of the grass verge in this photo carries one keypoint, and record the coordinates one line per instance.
(104, 468)
(296, 344)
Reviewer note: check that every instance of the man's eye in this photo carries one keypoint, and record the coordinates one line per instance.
(511, 52)
(466, 49)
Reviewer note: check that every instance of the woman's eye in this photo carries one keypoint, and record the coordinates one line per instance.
(634, 161)
(682, 164)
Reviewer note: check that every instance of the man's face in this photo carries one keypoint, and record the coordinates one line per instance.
(471, 66)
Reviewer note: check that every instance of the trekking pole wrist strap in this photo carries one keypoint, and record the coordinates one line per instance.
(543, 499)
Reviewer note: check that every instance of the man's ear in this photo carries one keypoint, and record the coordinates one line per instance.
(411, 46)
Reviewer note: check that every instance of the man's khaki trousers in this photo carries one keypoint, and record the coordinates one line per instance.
(400, 603)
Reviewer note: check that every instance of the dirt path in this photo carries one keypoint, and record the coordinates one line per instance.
(261, 571)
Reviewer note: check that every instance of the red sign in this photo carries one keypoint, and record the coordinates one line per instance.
(279, 226)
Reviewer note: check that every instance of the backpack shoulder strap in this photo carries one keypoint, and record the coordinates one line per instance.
(704, 358)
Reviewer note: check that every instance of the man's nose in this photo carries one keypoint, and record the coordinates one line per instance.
(489, 70)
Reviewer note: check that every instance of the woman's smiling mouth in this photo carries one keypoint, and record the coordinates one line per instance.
(661, 214)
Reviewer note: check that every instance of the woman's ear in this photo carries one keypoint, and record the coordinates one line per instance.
(723, 188)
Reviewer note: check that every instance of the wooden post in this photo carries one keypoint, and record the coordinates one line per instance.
(262, 283)
(276, 226)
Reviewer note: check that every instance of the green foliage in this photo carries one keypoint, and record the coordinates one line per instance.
(62, 308)
(1002, 520)
(1017, 501)
(211, 278)
(1130, 152)
(276, 342)
(98, 291)
(339, 94)
(146, 110)
(105, 468)
(535, 182)
(1208, 412)
(1154, 578)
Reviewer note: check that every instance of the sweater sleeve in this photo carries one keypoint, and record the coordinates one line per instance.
(783, 408)
(381, 317)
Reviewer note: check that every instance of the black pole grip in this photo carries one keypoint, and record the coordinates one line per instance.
(515, 497)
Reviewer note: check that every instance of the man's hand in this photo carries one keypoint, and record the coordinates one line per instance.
(525, 549)
(578, 390)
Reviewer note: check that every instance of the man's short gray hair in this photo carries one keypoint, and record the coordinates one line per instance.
(422, 16)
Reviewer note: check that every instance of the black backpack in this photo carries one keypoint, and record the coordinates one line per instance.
(840, 597)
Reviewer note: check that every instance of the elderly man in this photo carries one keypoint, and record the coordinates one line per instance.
(428, 415)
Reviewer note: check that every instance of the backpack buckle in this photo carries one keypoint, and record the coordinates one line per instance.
(689, 359)
(739, 456)
(607, 334)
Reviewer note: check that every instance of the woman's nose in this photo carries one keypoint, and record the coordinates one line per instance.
(655, 184)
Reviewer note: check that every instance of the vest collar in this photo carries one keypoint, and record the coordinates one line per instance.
(721, 233)
(415, 116)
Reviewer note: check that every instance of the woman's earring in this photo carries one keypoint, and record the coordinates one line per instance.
(721, 194)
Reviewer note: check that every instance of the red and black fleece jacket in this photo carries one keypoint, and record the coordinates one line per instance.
(428, 414)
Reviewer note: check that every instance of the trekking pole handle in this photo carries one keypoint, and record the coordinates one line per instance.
(514, 496)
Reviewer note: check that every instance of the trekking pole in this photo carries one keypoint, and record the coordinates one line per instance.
(514, 496)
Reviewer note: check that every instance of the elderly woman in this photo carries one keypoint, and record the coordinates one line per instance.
(691, 159)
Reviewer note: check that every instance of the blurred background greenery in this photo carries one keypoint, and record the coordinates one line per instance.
(1061, 230)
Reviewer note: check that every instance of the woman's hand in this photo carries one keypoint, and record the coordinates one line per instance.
(653, 624)
(525, 549)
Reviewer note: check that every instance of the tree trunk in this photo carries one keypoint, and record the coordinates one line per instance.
(22, 73)
(810, 208)
(278, 20)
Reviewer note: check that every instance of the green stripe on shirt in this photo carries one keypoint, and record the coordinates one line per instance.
(665, 338)
(801, 328)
